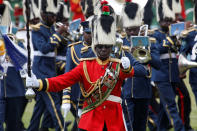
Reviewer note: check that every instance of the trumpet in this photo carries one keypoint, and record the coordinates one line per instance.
(69, 36)
(65, 36)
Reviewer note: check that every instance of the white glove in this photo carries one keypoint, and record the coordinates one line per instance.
(79, 112)
(32, 82)
(125, 62)
(66, 108)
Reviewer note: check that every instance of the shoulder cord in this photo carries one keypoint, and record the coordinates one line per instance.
(94, 85)
(72, 55)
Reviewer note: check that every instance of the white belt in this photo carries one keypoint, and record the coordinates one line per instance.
(50, 54)
(167, 56)
(61, 58)
(114, 99)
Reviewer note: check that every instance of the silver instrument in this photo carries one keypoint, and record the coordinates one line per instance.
(185, 64)
(73, 36)
(117, 49)
(141, 53)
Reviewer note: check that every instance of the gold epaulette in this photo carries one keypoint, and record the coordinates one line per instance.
(184, 33)
(85, 59)
(126, 48)
(152, 31)
(84, 49)
(115, 60)
(36, 27)
(152, 40)
(74, 43)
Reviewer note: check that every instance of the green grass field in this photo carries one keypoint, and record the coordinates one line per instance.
(193, 116)
(28, 113)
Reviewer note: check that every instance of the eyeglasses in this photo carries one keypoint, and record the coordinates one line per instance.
(104, 46)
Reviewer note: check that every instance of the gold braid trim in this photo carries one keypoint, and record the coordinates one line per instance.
(74, 43)
(41, 85)
(170, 40)
(94, 85)
(84, 59)
(72, 55)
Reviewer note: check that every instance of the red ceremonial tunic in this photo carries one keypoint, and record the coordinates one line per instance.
(108, 112)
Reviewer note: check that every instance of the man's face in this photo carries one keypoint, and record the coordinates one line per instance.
(49, 18)
(164, 24)
(132, 31)
(103, 51)
(87, 37)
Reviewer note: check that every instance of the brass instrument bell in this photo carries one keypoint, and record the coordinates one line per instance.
(185, 64)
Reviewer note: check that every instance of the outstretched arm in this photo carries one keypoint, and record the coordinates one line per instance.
(58, 83)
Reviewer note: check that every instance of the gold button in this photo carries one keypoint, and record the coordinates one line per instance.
(104, 107)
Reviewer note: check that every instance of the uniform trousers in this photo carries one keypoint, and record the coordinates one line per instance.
(13, 113)
(138, 112)
(74, 111)
(167, 99)
(50, 102)
(2, 105)
(184, 103)
(126, 115)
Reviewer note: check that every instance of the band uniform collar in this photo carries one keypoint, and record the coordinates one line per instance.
(100, 62)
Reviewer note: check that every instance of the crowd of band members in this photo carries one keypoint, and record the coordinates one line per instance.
(53, 57)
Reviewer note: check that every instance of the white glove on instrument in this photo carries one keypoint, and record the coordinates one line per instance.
(66, 108)
(79, 112)
(32, 82)
(125, 62)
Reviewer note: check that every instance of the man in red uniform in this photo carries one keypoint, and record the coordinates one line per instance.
(101, 77)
